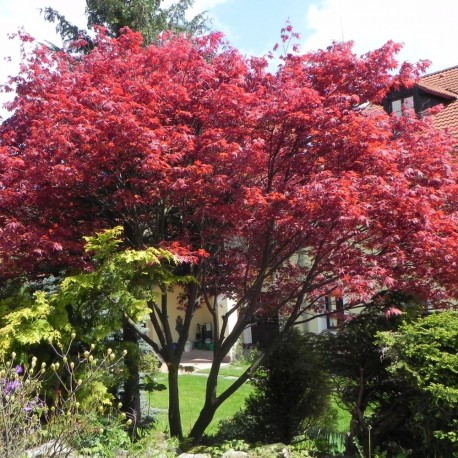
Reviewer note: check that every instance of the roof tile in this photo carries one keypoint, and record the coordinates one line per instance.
(444, 83)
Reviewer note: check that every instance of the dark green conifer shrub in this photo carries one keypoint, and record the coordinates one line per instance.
(292, 395)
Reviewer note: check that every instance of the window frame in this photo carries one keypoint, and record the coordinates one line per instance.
(335, 309)
(404, 103)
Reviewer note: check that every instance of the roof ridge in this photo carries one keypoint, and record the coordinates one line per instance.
(439, 71)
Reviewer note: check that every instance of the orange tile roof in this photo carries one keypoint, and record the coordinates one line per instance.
(437, 91)
(443, 79)
(444, 83)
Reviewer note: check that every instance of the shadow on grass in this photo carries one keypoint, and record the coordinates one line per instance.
(192, 394)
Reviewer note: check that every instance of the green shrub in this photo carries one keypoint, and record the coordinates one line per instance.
(291, 395)
(397, 376)
(69, 419)
(423, 356)
(102, 436)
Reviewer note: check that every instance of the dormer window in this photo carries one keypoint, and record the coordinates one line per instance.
(398, 105)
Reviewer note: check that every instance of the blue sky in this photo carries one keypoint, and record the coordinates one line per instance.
(254, 26)
(427, 30)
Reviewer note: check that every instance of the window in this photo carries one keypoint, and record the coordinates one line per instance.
(335, 309)
(263, 330)
(398, 105)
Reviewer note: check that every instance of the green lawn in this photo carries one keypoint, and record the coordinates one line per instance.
(192, 391)
(233, 370)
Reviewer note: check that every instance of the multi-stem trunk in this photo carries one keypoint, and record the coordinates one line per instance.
(211, 403)
(174, 402)
(170, 353)
(131, 397)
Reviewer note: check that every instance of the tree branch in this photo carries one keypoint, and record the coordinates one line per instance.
(154, 346)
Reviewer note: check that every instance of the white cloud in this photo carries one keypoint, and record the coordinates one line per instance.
(198, 7)
(26, 14)
(204, 5)
(428, 31)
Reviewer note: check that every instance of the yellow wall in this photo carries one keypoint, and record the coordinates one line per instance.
(201, 316)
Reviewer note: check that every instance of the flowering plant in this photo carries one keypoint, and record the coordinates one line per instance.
(30, 418)
(20, 407)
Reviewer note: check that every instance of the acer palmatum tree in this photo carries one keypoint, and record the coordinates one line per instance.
(235, 169)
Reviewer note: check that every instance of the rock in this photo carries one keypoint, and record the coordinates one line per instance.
(275, 450)
(234, 454)
(51, 448)
(192, 455)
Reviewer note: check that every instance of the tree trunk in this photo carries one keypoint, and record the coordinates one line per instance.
(174, 402)
(212, 402)
(131, 397)
(210, 406)
(357, 426)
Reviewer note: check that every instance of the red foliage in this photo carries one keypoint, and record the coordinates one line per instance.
(190, 145)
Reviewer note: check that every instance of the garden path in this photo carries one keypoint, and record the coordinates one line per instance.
(198, 359)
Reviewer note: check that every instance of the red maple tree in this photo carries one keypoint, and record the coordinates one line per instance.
(236, 169)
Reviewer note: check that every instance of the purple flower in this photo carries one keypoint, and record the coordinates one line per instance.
(19, 369)
(34, 404)
(11, 386)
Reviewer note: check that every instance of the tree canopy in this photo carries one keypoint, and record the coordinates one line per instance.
(145, 16)
(272, 188)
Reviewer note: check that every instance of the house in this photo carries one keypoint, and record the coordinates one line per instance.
(202, 332)
(438, 88)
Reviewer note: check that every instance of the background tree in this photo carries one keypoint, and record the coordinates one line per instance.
(359, 375)
(145, 16)
(192, 147)
(423, 357)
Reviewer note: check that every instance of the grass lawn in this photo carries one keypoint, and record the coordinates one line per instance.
(233, 370)
(192, 392)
